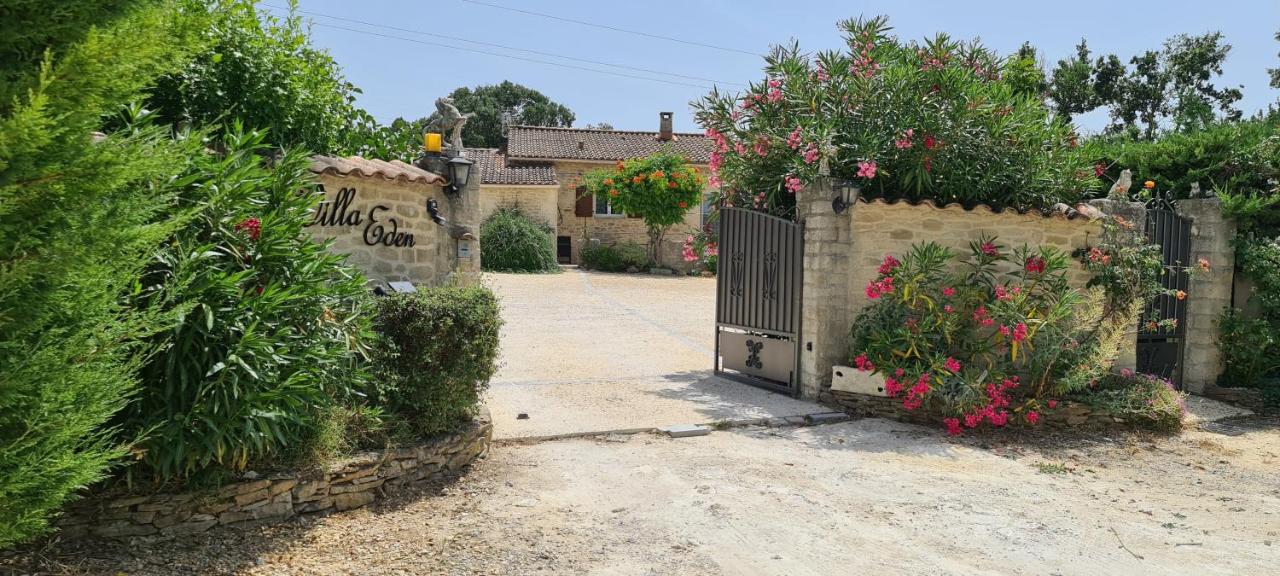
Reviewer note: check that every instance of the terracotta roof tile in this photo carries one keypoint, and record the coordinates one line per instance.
(1059, 210)
(543, 143)
(368, 168)
(494, 169)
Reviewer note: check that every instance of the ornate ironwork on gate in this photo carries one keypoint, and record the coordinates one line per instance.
(1160, 347)
(758, 300)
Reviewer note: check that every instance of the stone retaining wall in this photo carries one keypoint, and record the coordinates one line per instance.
(344, 485)
(1068, 414)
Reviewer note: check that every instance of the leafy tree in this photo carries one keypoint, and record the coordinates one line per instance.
(1023, 74)
(1275, 72)
(1072, 84)
(1191, 63)
(264, 71)
(487, 104)
(660, 188)
(599, 126)
(79, 217)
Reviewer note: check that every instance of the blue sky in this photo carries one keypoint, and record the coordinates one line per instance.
(402, 78)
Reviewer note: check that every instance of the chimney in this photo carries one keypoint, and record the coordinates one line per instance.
(664, 127)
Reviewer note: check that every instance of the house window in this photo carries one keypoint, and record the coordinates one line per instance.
(604, 207)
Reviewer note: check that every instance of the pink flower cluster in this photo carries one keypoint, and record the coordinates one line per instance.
(863, 364)
(905, 141)
(990, 249)
(794, 139)
(982, 316)
(888, 265)
(687, 251)
(1035, 265)
(811, 153)
(775, 90)
(867, 169)
(916, 394)
(250, 226)
(792, 182)
(877, 288)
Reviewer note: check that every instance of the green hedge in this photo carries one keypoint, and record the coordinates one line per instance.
(438, 352)
(510, 241)
(614, 258)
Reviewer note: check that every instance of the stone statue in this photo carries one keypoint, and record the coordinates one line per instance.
(1120, 190)
(449, 119)
(1195, 190)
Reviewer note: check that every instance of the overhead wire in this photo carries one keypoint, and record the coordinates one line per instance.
(504, 47)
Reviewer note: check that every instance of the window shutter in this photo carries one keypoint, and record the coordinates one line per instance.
(585, 206)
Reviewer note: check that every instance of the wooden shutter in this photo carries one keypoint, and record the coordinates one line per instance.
(585, 206)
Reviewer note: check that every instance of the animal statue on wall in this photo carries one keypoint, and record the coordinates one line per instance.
(449, 119)
(1120, 190)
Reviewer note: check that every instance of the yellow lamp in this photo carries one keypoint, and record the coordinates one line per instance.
(431, 142)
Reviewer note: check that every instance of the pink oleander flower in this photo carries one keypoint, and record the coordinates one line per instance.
(972, 420)
(761, 146)
(822, 74)
(1033, 417)
(1002, 293)
(888, 265)
(1020, 332)
(1127, 373)
(867, 169)
(999, 418)
(952, 365)
(863, 364)
(811, 154)
(892, 387)
(794, 139)
(1099, 170)
(905, 141)
(871, 291)
(949, 309)
(948, 291)
(990, 249)
(775, 83)
(953, 426)
(1053, 404)
(775, 95)
(1035, 265)
(793, 184)
(740, 148)
(1005, 331)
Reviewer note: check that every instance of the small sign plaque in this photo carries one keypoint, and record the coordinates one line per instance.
(402, 287)
(464, 250)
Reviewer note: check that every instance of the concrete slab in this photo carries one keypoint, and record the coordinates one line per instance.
(586, 352)
(685, 430)
(1201, 410)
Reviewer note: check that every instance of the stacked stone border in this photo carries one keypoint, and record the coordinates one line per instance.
(345, 485)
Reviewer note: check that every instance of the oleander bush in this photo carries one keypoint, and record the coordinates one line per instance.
(511, 241)
(437, 352)
(272, 326)
(614, 258)
(1141, 399)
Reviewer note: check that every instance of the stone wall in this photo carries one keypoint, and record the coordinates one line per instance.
(1208, 293)
(344, 485)
(843, 251)
(613, 229)
(537, 202)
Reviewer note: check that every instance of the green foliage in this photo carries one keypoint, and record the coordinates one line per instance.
(1248, 348)
(438, 351)
(934, 119)
(1170, 86)
(1232, 158)
(617, 258)
(513, 242)
(264, 71)
(659, 188)
(1127, 266)
(993, 335)
(487, 104)
(1139, 399)
(272, 326)
(78, 220)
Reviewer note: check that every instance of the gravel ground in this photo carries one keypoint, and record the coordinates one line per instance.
(863, 497)
(595, 352)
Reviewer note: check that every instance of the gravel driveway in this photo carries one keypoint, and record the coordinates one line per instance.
(592, 352)
(862, 497)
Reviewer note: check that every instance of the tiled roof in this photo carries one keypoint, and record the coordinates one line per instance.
(539, 142)
(364, 167)
(494, 169)
(1059, 210)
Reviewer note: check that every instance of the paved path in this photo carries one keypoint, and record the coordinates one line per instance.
(592, 352)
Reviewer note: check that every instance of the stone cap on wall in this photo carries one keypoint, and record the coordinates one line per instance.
(1060, 210)
(394, 170)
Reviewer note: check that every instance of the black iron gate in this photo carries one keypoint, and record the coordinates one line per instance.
(758, 300)
(1160, 347)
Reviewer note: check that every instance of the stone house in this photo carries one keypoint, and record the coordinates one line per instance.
(540, 170)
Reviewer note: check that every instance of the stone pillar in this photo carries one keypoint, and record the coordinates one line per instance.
(1208, 293)
(1135, 212)
(828, 242)
(464, 228)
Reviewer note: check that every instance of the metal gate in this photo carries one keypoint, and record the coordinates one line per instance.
(758, 300)
(1160, 349)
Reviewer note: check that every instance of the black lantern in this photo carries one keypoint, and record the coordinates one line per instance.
(459, 172)
(846, 193)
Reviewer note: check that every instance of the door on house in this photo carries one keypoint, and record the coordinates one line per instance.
(758, 300)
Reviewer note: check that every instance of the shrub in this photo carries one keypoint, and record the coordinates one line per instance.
(510, 241)
(617, 258)
(78, 220)
(936, 119)
(1138, 398)
(704, 249)
(996, 335)
(437, 354)
(272, 324)
(1248, 348)
(659, 188)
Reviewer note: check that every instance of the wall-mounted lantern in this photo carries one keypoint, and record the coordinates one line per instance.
(846, 193)
(459, 172)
